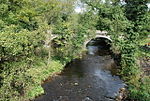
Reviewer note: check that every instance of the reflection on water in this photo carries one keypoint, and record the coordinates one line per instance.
(92, 49)
(86, 79)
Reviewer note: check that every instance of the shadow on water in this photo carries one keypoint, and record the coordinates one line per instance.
(86, 79)
(99, 46)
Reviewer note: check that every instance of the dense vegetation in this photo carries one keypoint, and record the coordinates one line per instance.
(128, 24)
(29, 55)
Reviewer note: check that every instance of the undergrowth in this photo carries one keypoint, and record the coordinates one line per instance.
(23, 82)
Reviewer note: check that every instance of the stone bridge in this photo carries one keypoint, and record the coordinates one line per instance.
(99, 34)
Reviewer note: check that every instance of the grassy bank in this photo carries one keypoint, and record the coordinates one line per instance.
(26, 84)
(40, 74)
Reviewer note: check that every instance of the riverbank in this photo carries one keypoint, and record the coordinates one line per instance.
(39, 75)
(28, 83)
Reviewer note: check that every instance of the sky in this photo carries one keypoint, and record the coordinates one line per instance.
(79, 9)
(148, 5)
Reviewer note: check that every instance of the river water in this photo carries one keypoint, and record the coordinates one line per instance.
(91, 78)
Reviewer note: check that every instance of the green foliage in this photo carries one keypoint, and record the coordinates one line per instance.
(23, 80)
(72, 34)
(14, 80)
(140, 92)
(23, 31)
(18, 44)
(128, 25)
(88, 19)
(36, 91)
(69, 42)
(136, 12)
(40, 73)
(23, 28)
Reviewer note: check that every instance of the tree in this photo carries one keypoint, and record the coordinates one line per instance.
(22, 30)
(137, 13)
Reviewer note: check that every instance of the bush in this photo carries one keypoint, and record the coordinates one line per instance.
(23, 80)
(140, 91)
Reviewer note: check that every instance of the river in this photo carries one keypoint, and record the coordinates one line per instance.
(92, 78)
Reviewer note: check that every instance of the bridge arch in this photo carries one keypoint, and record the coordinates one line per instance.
(97, 37)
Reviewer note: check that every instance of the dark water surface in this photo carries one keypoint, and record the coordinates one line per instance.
(86, 79)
